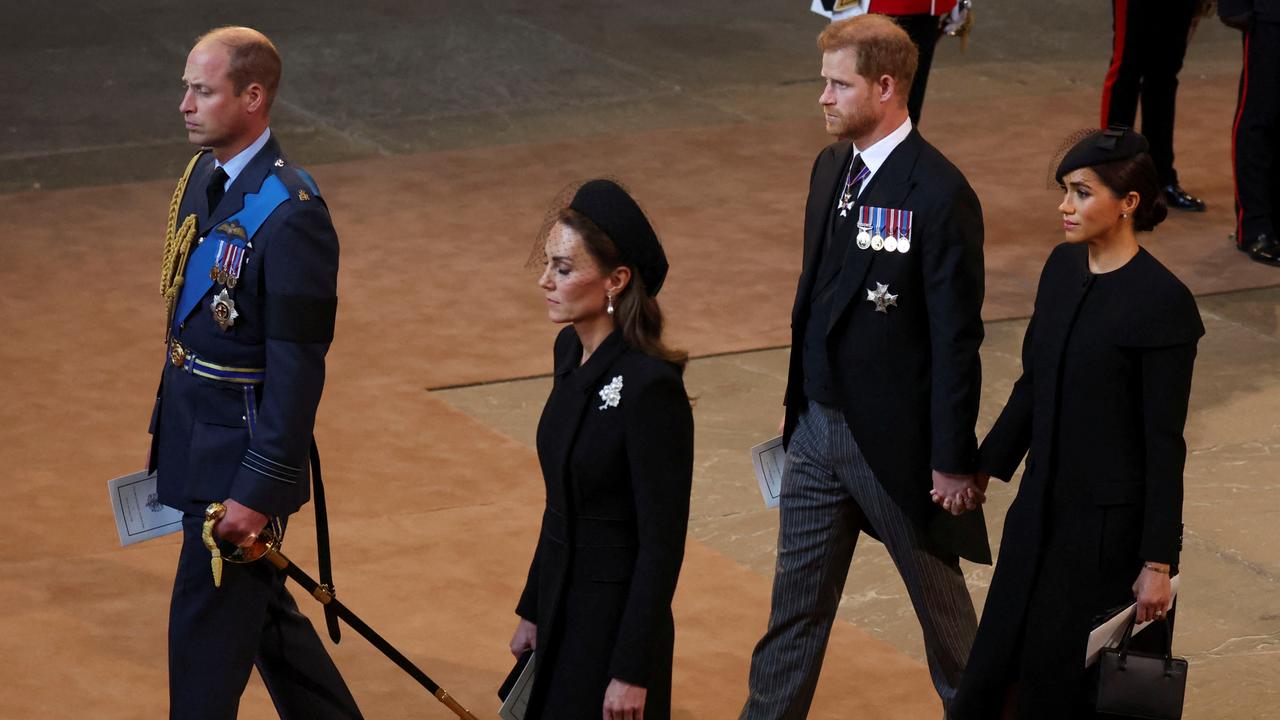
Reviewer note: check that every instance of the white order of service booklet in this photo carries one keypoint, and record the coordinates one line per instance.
(139, 513)
(1109, 633)
(769, 458)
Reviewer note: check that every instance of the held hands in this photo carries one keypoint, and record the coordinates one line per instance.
(525, 638)
(958, 494)
(624, 701)
(1153, 592)
(241, 525)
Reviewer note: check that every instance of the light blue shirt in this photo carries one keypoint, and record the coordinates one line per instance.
(235, 165)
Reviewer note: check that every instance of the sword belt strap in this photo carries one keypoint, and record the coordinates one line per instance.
(322, 542)
(188, 361)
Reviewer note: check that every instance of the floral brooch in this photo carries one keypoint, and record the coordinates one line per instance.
(611, 394)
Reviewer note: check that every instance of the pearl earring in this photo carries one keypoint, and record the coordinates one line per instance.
(610, 308)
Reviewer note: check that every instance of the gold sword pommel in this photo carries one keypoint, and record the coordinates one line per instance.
(212, 514)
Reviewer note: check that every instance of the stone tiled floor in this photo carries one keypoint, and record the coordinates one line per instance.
(1229, 614)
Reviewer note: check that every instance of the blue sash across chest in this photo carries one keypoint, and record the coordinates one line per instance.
(258, 206)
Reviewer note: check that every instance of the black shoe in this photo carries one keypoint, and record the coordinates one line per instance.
(1263, 249)
(1178, 199)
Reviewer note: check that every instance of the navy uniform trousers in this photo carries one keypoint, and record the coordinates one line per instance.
(214, 642)
(829, 495)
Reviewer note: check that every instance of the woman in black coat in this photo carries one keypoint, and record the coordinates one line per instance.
(1101, 405)
(616, 447)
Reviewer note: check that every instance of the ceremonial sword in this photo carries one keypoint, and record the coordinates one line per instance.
(267, 546)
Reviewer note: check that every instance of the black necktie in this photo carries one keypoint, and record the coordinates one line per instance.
(217, 188)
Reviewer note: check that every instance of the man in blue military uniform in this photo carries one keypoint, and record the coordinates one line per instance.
(250, 280)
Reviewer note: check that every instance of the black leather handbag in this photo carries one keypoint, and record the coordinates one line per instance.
(1141, 685)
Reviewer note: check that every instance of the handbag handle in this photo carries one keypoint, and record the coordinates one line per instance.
(1128, 635)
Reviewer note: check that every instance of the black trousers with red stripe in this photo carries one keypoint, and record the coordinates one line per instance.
(1150, 42)
(1256, 135)
(924, 30)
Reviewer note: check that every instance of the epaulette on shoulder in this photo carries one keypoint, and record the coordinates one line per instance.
(299, 182)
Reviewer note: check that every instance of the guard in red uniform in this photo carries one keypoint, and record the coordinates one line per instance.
(1256, 131)
(1150, 43)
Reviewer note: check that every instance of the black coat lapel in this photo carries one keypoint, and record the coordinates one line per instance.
(822, 198)
(577, 394)
(248, 181)
(889, 187)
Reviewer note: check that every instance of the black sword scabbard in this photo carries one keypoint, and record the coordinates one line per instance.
(325, 597)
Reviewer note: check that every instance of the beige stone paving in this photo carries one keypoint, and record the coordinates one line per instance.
(1229, 616)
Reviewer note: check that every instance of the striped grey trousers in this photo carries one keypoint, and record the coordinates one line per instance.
(828, 496)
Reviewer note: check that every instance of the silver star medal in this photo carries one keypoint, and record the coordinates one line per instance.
(611, 394)
(224, 310)
(882, 298)
(846, 204)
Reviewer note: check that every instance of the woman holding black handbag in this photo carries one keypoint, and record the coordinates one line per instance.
(1101, 405)
(616, 447)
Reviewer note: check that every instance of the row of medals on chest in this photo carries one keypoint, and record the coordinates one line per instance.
(895, 224)
(225, 271)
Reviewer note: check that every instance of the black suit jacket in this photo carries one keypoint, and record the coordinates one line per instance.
(908, 379)
(213, 440)
(618, 476)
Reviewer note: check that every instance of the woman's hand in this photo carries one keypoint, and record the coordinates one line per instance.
(624, 701)
(957, 494)
(525, 638)
(1153, 591)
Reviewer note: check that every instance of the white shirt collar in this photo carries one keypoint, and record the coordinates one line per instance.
(235, 165)
(875, 155)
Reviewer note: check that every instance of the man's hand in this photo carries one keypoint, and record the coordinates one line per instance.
(241, 525)
(623, 701)
(1153, 591)
(524, 638)
(957, 494)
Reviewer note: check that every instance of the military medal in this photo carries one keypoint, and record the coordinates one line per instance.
(224, 310)
(235, 258)
(864, 227)
(882, 298)
(877, 228)
(891, 237)
(904, 240)
(877, 240)
(230, 255)
(847, 199)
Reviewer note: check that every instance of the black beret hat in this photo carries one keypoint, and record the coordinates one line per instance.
(606, 204)
(1102, 146)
